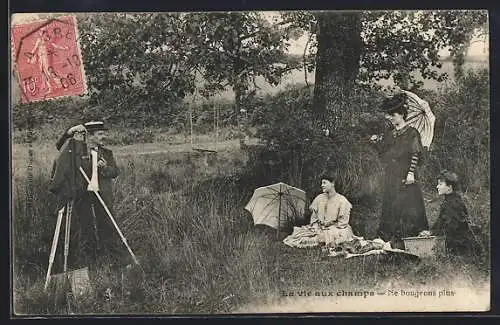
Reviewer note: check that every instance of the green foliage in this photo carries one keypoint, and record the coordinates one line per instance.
(136, 64)
(145, 64)
(46, 113)
(462, 131)
(396, 43)
(140, 66)
(296, 24)
(297, 152)
(457, 29)
(239, 47)
(368, 46)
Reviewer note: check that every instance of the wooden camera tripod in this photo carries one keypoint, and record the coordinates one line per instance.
(67, 211)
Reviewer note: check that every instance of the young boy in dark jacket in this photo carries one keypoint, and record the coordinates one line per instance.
(453, 218)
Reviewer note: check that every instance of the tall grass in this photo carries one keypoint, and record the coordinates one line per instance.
(187, 230)
(198, 248)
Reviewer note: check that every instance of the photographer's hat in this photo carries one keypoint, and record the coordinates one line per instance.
(94, 126)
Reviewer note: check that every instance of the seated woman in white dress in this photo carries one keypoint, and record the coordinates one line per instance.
(329, 223)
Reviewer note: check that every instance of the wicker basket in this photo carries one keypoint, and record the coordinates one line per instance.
(425, 246)
(77, 281)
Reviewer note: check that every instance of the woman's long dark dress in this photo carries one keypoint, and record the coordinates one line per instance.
(403, 210)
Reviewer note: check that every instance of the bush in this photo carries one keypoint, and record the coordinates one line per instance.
(297, 152)
(64, 112)
(40, 113)
(462, 132)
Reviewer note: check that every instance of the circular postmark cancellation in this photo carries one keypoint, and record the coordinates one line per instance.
(47, 59)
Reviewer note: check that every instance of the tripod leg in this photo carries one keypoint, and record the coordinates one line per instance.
(124, 240)
(67, 234)
(54, 246)
(66, 248)
(94, 219)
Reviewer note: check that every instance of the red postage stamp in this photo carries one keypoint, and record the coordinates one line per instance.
(47, 59)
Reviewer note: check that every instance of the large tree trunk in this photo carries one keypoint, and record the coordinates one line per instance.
(337, 65)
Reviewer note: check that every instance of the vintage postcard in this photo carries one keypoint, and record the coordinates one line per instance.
(250, 162)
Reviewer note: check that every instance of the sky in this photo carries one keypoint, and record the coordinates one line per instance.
(478, 48)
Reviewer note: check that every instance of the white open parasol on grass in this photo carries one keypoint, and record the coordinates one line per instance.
(277, 204)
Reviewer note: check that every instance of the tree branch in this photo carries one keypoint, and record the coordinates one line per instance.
(240, 39)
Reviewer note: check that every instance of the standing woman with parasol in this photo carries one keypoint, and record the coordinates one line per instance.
(401, 149)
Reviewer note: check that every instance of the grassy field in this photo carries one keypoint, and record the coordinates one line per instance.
(201, 254)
